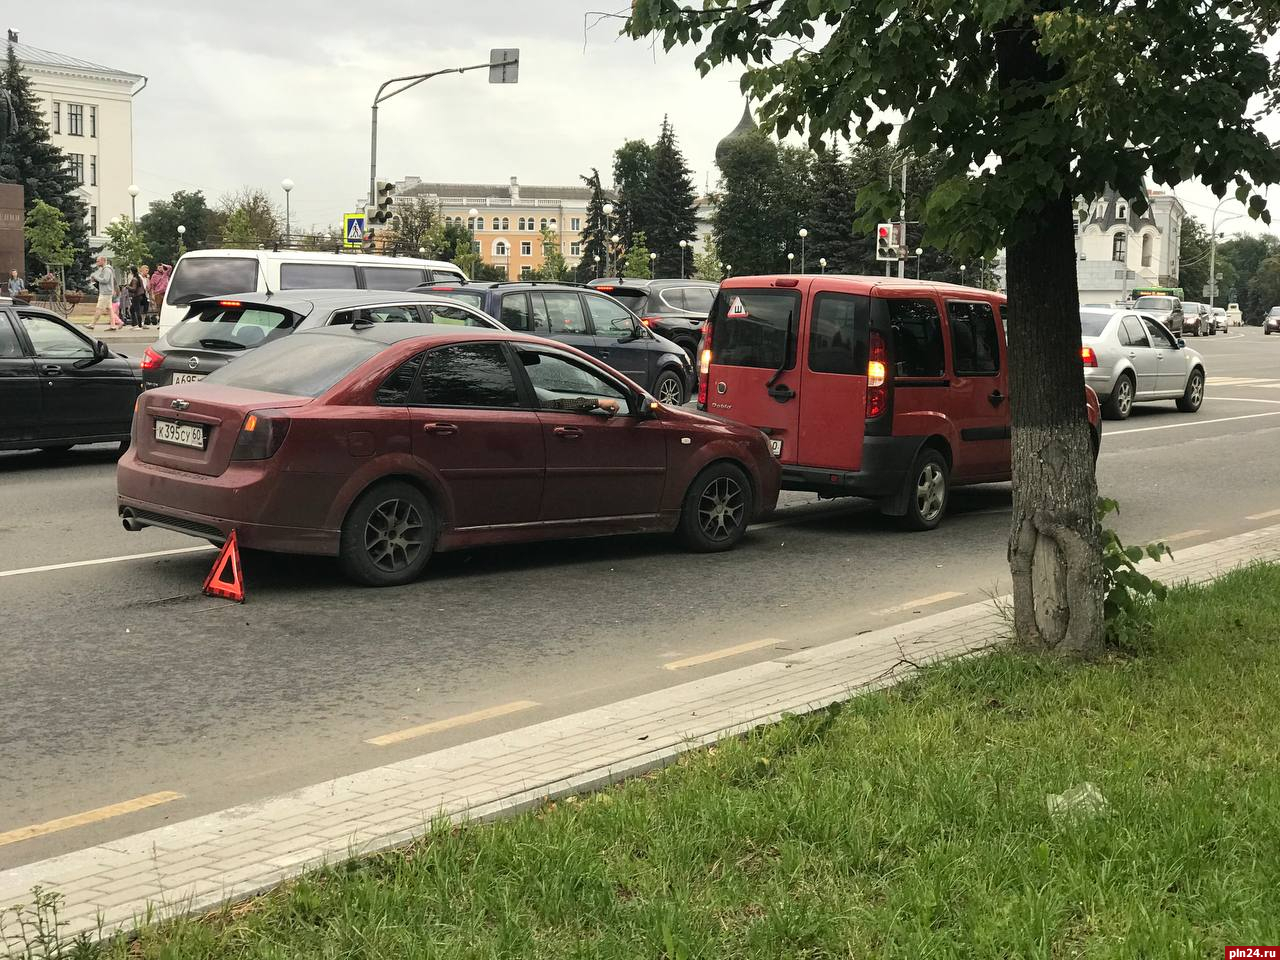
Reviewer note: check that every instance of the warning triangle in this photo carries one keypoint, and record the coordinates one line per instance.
(227, 565)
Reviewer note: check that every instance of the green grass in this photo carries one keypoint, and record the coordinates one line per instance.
(908, 823)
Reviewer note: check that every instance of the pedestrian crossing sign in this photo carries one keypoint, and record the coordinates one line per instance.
(352, 229)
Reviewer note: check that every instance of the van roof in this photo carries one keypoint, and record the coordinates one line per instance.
(858, 284)
(317, 256)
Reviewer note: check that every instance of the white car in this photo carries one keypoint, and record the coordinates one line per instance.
(1129, 358)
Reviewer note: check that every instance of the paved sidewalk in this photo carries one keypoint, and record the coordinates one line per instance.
(228, 855)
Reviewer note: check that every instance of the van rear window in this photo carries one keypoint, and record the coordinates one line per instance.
(197, 277)
(756, 328)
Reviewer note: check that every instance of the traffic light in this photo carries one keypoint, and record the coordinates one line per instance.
(383, 199)
(366, 245)
(886, 249)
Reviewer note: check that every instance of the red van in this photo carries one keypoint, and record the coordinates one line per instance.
(894, 390)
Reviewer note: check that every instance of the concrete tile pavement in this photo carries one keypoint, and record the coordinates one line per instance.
(207, 860)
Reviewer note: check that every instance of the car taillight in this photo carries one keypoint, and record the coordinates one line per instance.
(877, 376)
(1088, 356)
(151, 359)
(260, 436)
(649, 321)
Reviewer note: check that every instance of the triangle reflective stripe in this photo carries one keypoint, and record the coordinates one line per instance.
(224, 579)
(736, 310)
(355, 233)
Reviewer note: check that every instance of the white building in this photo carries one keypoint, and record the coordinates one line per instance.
(1119, 249)
(89, 112)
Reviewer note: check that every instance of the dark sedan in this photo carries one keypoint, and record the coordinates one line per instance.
(382, 444)
(58, 387)
(677, 309)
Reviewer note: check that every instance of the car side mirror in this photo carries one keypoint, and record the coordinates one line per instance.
(1181, 343)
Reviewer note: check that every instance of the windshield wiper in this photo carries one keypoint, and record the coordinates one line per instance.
(213, 343)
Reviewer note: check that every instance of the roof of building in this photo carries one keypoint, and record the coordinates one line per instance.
(1106, 218)
(38, 56)
(494, 190)
(745, 126)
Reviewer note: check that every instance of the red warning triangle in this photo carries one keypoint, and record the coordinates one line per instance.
(227, 564)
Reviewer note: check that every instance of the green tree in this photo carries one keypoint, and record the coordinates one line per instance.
(830, 220)
(742, 224)
(631, 165)
(1193, 259)
(418, 226)
(260, 221)
(1263, 290)
(46, 236)
(126, 244)
(636, 262)
(1244, 255)
(41, 168)
(238, 232)
(554, 266)
(1043, 98)
(707, 262)
(159, 225)
(595, 237)
(670, 202)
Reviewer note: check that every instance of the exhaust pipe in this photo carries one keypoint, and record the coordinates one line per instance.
(131, 523)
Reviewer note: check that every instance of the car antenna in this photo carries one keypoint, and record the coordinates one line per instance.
(265, 282)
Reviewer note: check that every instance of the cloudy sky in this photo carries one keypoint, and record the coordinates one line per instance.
(247, 92)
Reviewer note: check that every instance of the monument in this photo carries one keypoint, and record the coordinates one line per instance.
(12, 199)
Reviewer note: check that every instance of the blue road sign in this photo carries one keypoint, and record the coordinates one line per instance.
(352, 229)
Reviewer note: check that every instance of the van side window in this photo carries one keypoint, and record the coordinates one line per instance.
(917, 338)
(838, 333)
(975, 341)
(317, 276)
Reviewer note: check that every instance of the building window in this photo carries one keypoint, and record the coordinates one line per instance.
(520, 224)
(543, 224)
(575, 223)
(475, 247)
(93, 220)
(1148, 242)
(526, 272)
(93, 169)
(575, 249)
(75, 166)
(476, 223)
(57, 117)
(75, 119)
(500, 248)
(93, 121)
(1119, 250)
(1122, 210)
(506, 223)
(526, 248)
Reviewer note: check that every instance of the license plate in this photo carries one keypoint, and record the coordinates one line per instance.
(187, 377)
(182, 434)
(775, 447)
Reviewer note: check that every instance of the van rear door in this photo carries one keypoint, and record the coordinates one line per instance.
(752, 377)
(833, 393)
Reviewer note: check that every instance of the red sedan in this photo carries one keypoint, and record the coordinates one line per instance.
(380, 444)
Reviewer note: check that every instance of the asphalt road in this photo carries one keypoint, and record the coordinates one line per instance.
(119, 679)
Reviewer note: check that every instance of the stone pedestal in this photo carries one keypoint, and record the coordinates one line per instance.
(12, 218)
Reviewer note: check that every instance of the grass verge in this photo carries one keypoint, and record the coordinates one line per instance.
(907, 823)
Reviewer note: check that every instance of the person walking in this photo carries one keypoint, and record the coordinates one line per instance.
(15, 283)
(136, 296)
(105, 278)
(142, 303)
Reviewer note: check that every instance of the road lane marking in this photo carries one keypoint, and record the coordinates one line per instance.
(1239, 381)
(914, 604)
(89, 816)
(1184, 535)
(1113, 434)
(93, 563)
(720, 654)
(1247, 399)
(1264, 516)
(450, 723)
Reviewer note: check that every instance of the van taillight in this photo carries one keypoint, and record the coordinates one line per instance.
(260, 436)
(704, 366)
(877, 376)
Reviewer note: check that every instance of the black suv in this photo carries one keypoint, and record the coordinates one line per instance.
(677, 309)
(583, 318)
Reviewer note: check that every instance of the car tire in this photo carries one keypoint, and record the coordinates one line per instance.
(1120, 404)
(122, 448)
(388, 535)
(690, 347)
(928, 491)
(669, 388)
(717, 509)
(1193, 396)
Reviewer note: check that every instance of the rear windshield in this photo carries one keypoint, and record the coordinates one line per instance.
(303, 366)
(756, 328)
(197, 277)
(1092, 324)
(633, 298)
(218, 327)
(1154, 303)
(472, 298)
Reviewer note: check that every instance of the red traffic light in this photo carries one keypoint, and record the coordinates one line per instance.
(884, 232)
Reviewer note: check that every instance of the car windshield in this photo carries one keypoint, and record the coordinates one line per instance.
(303, 366)
(197, 277)
(1154, 303)
(228, 325)
(1092, 324)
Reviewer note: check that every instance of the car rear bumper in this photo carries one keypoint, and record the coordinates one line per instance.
(1101, 381)
(885, 464)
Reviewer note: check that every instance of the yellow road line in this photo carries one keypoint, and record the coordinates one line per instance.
(1184, 535)
(1264, 516)
(450, 722)
(89, 816)
(720, 654)
(913, 604)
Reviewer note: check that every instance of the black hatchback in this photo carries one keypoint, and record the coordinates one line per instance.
(676, 309)
(587, 319)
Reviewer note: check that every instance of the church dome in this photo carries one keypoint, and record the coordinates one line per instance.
(746, 126)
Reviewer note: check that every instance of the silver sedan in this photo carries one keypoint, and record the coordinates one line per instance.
(1130, 357)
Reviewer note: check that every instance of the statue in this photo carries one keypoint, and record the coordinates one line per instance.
(8, 126)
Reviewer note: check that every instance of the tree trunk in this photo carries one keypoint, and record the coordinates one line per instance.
(1055, 545)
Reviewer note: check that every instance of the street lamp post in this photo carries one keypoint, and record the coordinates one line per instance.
(822, 262)
(613, 256)
(596, 258)
(962, 268)
(791, 258)
(683, 244)
(919, 254)
(804, 232)
(133, 202)
(287, 186)
(728, 269)
(181, 232)
(1213, 250)
(607, 210)
(653, 266)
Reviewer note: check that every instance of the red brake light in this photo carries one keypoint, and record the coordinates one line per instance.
(877, 376)
(230, 303)
(704, 366)
(606, 287)
(1088, 356)
(260, 436)
(151, 359)
(787, 282)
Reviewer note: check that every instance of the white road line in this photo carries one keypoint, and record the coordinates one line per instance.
(1184, 535)
(1109, 435)
(449, 723)
(1264, 516)
(916, 604)
(720, 654)
(1246, 399)
(94, 563)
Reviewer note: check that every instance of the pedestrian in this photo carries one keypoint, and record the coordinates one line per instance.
(16, 283)
(159, 284)
(105, 277)
(133, 299)
(143, 300)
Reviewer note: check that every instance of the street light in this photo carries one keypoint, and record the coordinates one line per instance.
(683, 244)
(962, 274)
(133, 201)
(919, 254)
(653, 265)
(613, 252)
(596, 258)
(804, 232)
(790, 260)
(728, 269)
(1213, 249)
(287, 186)
(822, 262)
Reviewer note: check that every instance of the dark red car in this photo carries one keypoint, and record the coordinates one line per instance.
(380, 444)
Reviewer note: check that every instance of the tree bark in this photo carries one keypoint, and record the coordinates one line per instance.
(1055, 545)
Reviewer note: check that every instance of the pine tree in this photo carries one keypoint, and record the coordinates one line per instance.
(632, 164)
(32, 160)
(671, 204)
(595, 237)
(835, 202)
(636, 262)
(743, 225)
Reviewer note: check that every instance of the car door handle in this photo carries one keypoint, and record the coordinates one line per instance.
(604, 354)
(782, 393)
(996, 398)
(440, 429)
(568, 433)
(51, 370)
(1132, 354)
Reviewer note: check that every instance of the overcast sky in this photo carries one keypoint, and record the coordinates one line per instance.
(246, 92)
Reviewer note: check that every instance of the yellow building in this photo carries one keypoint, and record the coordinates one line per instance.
(509, 218)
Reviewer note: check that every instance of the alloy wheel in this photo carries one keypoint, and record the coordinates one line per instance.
(931, 489)
(1196, 393)
(669, 392)
(393, 535)
(1125, 399)
(720, 508)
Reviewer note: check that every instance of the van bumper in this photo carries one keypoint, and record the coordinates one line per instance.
(885, 463)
